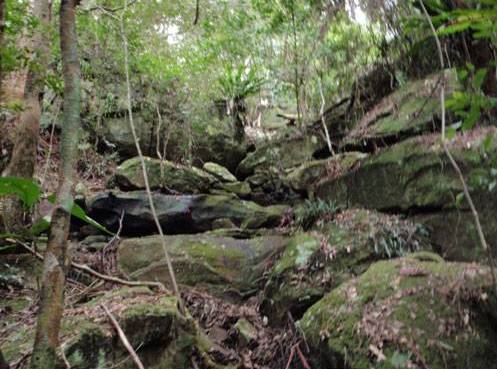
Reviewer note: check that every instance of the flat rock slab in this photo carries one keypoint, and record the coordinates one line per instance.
(220, 265)
(178, 214)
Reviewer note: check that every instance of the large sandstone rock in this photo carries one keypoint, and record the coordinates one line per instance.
(416, 178)
(412, 312)
(222, 265)
(161, 335)
(179, 214)
(172, 177)
(316, 262)
(283, 153)
(411, 109)
(303, 178)
(218, 148)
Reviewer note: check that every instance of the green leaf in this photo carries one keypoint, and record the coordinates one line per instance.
(472, 117)
(479, 77)
(79, 213)
(450, 133)
(26, 189)
(487, 142)
(398, 360)
(459, 199)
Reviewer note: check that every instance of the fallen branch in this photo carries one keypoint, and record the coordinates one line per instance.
(456, 167)
(123, 338)
(86, 269)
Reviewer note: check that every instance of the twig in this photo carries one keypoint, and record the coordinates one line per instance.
(323, 120)
(197, 12)
(296, 350)
(50, 148)
(87, 269)
(456, 167)
(144, 167)
(123, 338)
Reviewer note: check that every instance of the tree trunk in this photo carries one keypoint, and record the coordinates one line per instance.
(2, 30)
(53, 278)
(23, 160)
(239, 110)
(3, 363)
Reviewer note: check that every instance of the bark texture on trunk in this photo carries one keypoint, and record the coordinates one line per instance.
(2, 30)
(54, 266)
(239, 111)
(3, 363)
(23, 160)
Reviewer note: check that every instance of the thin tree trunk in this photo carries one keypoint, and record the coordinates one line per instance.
(55, 261)
(2, 30)
(22, 162)
(3, 363)
(239, 110)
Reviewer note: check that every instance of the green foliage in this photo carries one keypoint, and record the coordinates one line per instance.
(481, 19)
(30, 193)
(240, 81)
(471, 103)
(397, 241)
(312, 211)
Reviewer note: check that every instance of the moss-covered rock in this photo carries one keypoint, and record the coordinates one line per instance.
(161, 335)
(163, 174)
(219, 172)
(306, 175)
(316, 262)
(222, 265)
(179, 214)
(283, 153)
(411, 109)
(412, 312)
(415, 176)
(218, 148)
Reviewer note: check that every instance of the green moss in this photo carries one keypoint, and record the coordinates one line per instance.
(163, 174)
(297, 253)
(313, 264)
(399, 303)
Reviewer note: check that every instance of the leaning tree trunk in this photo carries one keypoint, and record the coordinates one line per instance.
(22, 163)
(53, 278)
(239, 111)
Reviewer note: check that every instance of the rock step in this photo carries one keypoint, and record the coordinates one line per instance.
(179, 214)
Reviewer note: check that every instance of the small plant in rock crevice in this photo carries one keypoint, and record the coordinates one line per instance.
(314, 211)
(393, 242)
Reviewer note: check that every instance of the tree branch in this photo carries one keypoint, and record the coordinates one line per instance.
(453, 162)
(123, 338)
(86, 269)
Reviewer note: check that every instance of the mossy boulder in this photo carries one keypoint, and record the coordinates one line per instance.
(221, 265)
(283, 153)
(162, 336)
(220, 172)
(179, 214)
(412, 312)
(172, 177)
(410, 109)
(306, 175)
(416, 177)
(218, 148)
(241, 189)
(314, 263)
